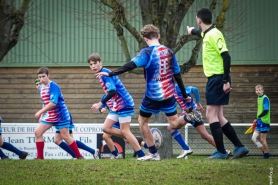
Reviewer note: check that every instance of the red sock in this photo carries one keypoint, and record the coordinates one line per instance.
(75, 149)
(40, 147)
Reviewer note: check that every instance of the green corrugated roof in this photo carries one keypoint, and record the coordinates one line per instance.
(66, 32)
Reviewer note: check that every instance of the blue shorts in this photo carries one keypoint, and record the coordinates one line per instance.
(149, 107)
(262, 127)
(58, 125)
(116, 125)
(214, 91)
(128, 111)
(70, 128)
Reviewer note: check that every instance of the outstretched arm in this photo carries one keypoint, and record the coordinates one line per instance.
(127, 67)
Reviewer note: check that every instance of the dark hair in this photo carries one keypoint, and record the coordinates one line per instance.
(94, 57)
(150, 31)
(43, 70)
(205, 15)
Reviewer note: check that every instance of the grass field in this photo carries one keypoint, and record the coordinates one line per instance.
(195, 170)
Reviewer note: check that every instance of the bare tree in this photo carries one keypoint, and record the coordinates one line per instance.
(11, 23)
(168, 15)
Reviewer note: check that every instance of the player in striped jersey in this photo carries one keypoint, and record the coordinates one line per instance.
(54, 112)
(122, 105)
(160, 68)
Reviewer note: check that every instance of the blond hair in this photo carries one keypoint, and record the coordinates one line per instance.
(259, 86)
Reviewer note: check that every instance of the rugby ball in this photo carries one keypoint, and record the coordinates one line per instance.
(157, 136)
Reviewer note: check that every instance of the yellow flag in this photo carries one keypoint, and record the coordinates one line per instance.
(249, 130)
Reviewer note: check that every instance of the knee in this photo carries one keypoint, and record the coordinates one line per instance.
(263, 141)
(105, 130)
(37, 133)
(57, 141)
(105, 136)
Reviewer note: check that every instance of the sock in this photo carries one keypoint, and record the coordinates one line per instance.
(266, 155)
(152, 149)
(140, 153)
(75, 149)
(177, 136)
(40, 147)
(65, 147)
(217, 135)
(145, 145)
(2, 155)
(230, 133)
(85, 147)
(11, 148)
(115, 152)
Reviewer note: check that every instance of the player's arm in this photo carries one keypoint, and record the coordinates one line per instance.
(193, 31)
(266, 108)
(180, 101)
(127, 67)
(227, 65)
(108, 96)
(179, 81)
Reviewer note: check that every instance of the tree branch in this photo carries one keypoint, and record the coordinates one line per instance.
(183, 40)
(222, 17)
(122, 39)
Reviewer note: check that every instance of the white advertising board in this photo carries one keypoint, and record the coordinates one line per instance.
(22, 136)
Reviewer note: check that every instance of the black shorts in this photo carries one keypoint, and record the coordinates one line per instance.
(149, 107)
(214, 91)
(58, 131)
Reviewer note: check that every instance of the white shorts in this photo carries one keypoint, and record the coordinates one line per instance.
(116, 118)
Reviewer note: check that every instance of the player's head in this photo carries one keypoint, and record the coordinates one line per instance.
(150, 32)
(95, 62)
(38, 83)
(43, 75)
(259, 90)
(204, 16)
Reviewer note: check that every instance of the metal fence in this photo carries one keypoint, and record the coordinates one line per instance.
(199, 146)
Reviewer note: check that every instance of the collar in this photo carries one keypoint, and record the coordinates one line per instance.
(210, 28)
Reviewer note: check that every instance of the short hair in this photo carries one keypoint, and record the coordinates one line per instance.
(259, 86)
(150, 31)
(94, 57)
(205, 15)
(43, 70)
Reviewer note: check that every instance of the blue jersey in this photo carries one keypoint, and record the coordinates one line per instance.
(160, 65)
(53, 94)
(108, 105)
(182, 102)
(122, 99)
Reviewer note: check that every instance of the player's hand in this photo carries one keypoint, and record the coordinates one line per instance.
(227, 88)
(100, 74)
(103, 110)
(96, 106)
(188, 99)
(189, 29)
(200, 107)
(38, 114)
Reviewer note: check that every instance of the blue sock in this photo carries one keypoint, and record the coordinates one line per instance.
(11, 148)
(140, 153)
(177, 136)
(2, 155)
(152, 149)
(145, 145)
(66, 147)
(115, 152)
(85, 147)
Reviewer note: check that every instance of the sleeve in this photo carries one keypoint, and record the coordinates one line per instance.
(266, 104)
(109, 83)
(180, 101)
(142, 59)
(195, 91)
(54, 92)
(175, 65)
(217, 41)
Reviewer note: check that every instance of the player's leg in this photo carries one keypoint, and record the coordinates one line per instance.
(39, 131)
(201, 129)
(256, 141)
(108, 128)
(59, 141)
(172, 119)
(216, 131)
(110, 144)
(64, 131)
(124, 120)
(230, 133)
(264, 143)
(2, 155)
(81, 145)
